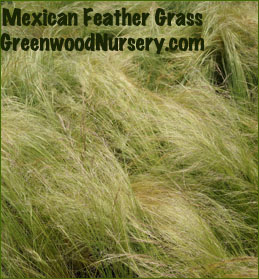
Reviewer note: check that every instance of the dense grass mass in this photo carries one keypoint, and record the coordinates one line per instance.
(132, 164)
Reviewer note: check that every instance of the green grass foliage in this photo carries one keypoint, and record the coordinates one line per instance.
(132, 164)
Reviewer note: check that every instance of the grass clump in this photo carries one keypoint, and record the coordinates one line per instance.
(130, 164)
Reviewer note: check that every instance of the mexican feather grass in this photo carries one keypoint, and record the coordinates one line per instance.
(132, 164)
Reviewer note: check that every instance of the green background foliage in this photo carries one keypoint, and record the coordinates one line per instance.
(132, 164)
